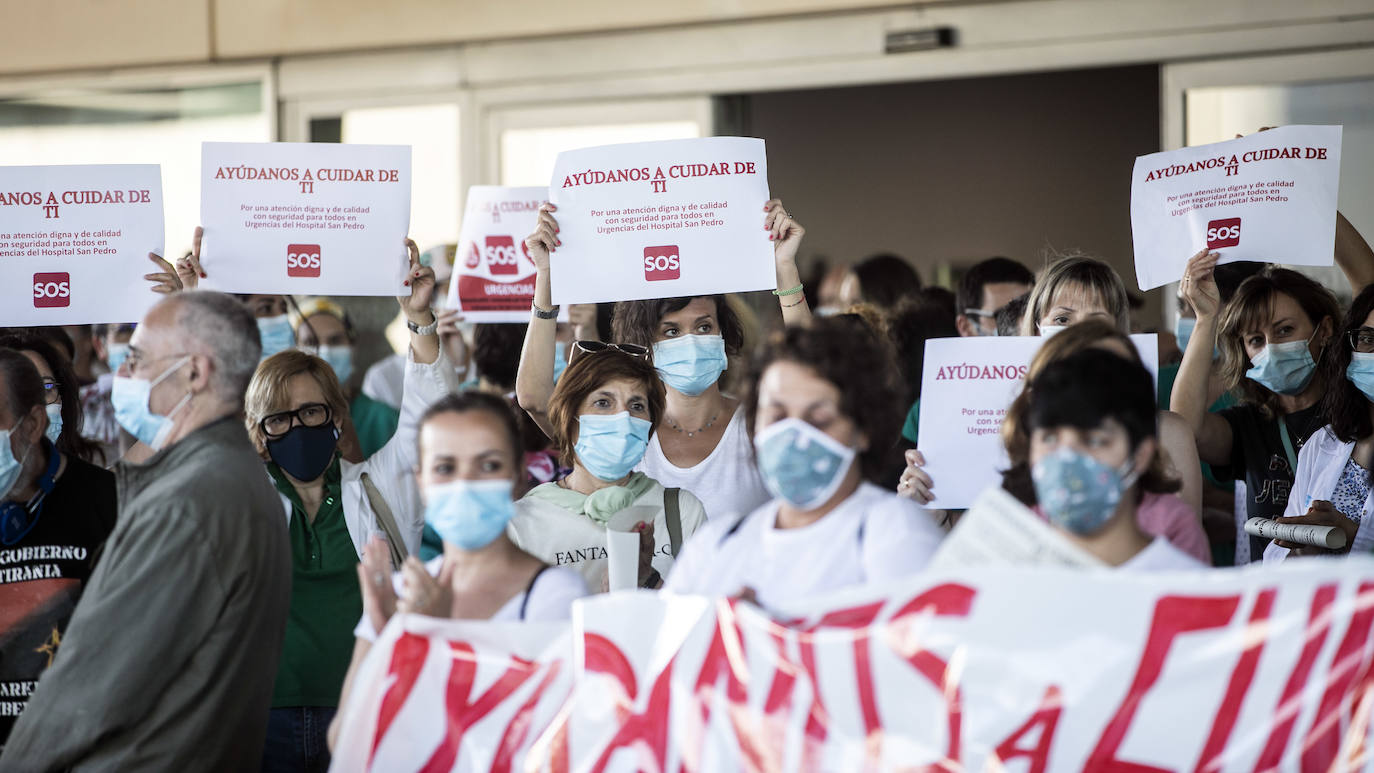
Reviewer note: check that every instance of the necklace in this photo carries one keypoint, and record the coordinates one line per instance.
(696, 431)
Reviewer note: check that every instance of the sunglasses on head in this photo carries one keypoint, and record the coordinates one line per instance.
(580, 348)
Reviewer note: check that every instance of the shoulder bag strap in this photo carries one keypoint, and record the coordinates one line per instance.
(386, 521)
(672, 513)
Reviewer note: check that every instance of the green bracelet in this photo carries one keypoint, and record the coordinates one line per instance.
(793, 291)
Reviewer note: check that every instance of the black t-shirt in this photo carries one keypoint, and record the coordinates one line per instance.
(1258, 453)
(41, 577)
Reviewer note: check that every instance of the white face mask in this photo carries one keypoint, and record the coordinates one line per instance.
(1048, 330)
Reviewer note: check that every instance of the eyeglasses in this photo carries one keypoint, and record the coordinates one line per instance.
(1361, 340)
(52, 392)
(594, 347)
(137, 358)
(275, 425)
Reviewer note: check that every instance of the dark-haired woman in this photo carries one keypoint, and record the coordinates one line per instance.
(1092, 455)
(1332, 483)
(823, 411)
(703, 446)
(61, 393)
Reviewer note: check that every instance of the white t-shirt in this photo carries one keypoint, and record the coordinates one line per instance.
(1160, 556)
(727, 481)
(562, 538)
(548, 599)
(873, 536)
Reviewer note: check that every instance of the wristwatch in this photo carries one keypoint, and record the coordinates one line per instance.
(544, 313)
(427, 330)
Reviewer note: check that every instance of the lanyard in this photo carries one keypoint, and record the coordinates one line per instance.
(1288, 446)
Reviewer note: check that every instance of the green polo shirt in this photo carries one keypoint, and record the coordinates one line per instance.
(325, 599)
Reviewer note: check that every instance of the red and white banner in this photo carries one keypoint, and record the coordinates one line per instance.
(997, 669)
(493, 273)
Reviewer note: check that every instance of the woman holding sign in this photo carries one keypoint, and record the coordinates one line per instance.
(1331, 487)
(296, 414)
(1271, 335)
(604, 411)
(824, 413)
(705, 448)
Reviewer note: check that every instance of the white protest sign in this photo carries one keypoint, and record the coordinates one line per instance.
(1042, 669)
(493, 275)
(661, 220)
(967, 384)
(74, 243)
(304, 218)
(1268, 197)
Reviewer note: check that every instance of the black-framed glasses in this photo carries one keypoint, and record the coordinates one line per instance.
(52, 392)
(274, 425)
(1361, 340)
(593, 347)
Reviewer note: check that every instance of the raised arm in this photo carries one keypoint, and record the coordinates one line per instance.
(534, 379)
(786, 234)
(1189, 398)
(1353, 255)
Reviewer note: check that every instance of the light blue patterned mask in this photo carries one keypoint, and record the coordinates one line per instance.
(1077, 492)
(1361, 372)
(800, 464)
(276, 334)
(610, 446)
(54, 430)
(1284, 369)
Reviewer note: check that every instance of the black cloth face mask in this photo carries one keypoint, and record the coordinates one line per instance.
(304, 453)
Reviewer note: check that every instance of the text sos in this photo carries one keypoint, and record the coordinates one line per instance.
(500, 255)
(662, 263)
(302, 260)
(1223, 233)
(52, 289)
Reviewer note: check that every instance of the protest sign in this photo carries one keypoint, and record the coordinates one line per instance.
(1269, 197)
(987, 668)
(661, 220)
(493, 273)
(304, 218)
(74, 243)
(967, 384)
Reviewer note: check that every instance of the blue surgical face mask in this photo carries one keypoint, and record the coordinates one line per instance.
(276, 334)
(800, 464)
(560, 360)
(130, 398)
(691, 363)
(469, 513)
(9, 466)
(54, 422)
(340, 359)
(115, 355)
(610, 446)
(1361, 372)
(1285, 368)
(1078, 493)
(1183, 331)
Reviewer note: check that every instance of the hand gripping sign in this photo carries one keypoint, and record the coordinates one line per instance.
(661, 220)
(968, 669)
(305, 218)
(493, 272)
(74, 242)
(967, 384)
(1269, 197)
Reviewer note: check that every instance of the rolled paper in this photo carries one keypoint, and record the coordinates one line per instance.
(1328, 537)
(622, 559)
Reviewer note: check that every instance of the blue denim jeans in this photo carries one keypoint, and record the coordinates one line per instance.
(296, 740)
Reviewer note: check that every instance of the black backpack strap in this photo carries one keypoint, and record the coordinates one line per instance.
(525, 602)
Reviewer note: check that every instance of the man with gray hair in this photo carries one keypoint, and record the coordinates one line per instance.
(169, 659)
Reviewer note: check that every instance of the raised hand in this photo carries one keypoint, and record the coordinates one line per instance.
(421, 281)
(188, 267)
(915, 484)
(545, 239)
(166, 280)
(1198, 286)
(783, 230)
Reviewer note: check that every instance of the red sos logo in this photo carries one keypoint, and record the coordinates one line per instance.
(1223, 233)
(662, 263)
(500, 254)
(54, 289)
(302, 260)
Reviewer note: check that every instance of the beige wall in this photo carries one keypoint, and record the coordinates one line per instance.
(951, 172)
(77, 34)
